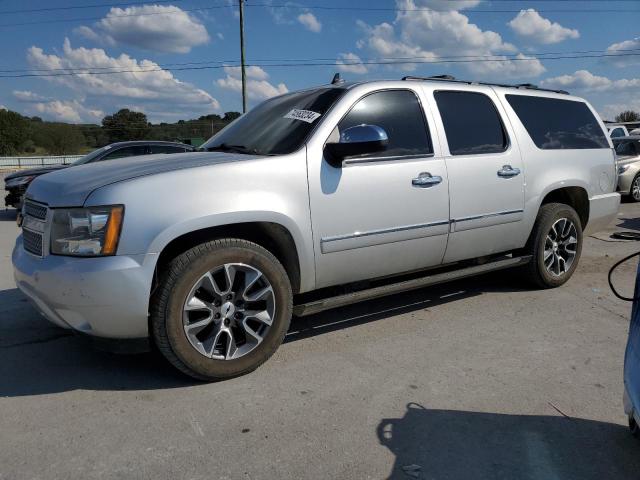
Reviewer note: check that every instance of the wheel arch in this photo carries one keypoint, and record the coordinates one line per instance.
(576, 197)
(272, 236)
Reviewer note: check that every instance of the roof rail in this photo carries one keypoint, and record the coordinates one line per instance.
(449, 78)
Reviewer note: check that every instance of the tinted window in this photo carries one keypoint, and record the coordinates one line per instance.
(555, 124)
(627, 147)
(617, 132)
(269, 128)
(399, 113)
(166, 149)
(471, 123)
(126, 152)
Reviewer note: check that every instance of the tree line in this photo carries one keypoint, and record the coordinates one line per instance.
(22, 135)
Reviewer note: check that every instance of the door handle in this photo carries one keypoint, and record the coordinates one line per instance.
(425, 179)
(508, 171)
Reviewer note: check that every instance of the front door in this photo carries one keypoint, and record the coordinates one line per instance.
(383, 213)
(486, 174)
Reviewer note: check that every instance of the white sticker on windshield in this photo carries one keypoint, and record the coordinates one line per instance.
(304, 115)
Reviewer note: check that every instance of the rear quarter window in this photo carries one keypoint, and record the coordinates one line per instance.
(556, 124)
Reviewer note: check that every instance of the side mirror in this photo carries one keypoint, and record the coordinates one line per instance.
(357, 140)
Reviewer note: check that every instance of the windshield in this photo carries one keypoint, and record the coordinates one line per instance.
(90, 156)
(626, 148)
(277, 126)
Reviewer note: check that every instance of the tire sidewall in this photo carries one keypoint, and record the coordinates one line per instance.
(633, 182)
(186, 278)
(561, 211)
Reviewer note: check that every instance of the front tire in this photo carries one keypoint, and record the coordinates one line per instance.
(555, 245)
(221, 309)
(634, 191)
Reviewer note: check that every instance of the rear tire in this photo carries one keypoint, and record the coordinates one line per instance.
(221, 309)
(555, 246)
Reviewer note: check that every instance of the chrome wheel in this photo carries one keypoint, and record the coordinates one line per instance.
(635, 189)
(560, 247)
(229, 311)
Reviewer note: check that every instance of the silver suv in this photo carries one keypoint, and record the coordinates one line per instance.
(369, 188)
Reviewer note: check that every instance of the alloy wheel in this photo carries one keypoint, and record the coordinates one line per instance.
(228, 311)
(560, 247)
(635, 189)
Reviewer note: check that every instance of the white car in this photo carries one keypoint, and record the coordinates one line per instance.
(616, 131)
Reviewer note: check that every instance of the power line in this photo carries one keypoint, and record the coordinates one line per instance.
(318, 7)
(314, 64)
(266, 61)
(74, 7)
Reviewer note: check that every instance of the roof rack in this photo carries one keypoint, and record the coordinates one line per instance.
(449, 78)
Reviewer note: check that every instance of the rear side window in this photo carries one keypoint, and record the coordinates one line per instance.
(126, 152)
(400, 114)
(555, 124)
(471, 122)
(166, 149)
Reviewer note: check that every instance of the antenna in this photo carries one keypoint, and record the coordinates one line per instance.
(337, 80)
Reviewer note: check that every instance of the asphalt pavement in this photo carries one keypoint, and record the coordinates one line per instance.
(484, 378)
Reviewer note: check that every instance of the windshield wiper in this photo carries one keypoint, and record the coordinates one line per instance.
(224, 147)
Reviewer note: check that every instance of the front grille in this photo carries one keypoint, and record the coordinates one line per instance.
(35, 210)
(32, 242)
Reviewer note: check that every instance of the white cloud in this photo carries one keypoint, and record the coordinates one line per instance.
(620, 49)
(531, 26)
(28, 96)
(67, 111)
(350, 62)
(258, 86)
(433, 35)
(444, 5)
(310, 22)
(150, 27)
(587, 81)
(141, 82)
(609, 111)
(2, 107)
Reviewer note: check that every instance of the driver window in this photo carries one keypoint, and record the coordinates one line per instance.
(400, 114)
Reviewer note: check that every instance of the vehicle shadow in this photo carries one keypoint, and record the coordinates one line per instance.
(632, 223)
(8, 215)
(459, 445)
(39, 358)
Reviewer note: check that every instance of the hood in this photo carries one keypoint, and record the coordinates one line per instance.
(71, 187)
(35, 171)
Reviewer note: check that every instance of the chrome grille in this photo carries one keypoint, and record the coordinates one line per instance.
(32, 242)
(35, 210)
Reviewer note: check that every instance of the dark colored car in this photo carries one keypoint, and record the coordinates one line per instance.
(16, 183)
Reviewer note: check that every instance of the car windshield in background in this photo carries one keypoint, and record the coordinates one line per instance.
(89, 156)
(627, 148)
(277, 126)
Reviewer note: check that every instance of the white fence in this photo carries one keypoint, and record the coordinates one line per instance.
(21, 162)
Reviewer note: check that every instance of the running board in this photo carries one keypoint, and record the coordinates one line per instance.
(321, 305)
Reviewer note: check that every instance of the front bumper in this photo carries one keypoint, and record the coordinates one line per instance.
(104, 296)
(625, 180)
(602, 211)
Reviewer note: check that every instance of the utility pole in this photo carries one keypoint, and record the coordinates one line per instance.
(244, 77)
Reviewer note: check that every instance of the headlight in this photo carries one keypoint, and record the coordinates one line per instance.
(16, 182)
(86, 232)
(622, 169)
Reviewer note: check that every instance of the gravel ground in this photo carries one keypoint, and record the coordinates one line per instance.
(482, 378)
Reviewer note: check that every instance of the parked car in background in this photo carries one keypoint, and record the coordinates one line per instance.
(16, 183)
(628, 164)
(370, 188)
(616, 131)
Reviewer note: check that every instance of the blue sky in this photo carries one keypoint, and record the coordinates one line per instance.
(197, 40)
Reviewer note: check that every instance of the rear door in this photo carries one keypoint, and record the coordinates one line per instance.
(486, 174)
